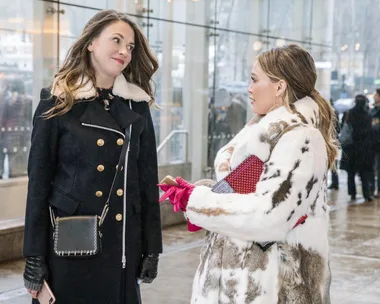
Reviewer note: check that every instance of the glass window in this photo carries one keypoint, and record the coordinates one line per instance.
(235, 15)
(159, 9)
(168, 43)
(16, 101)
(229, 79)
(205, 51)
(16, 84)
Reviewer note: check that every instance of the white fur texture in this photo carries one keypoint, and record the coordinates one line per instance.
(121, 88)
(293, 184)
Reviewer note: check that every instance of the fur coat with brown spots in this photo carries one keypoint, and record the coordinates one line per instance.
(295, 269)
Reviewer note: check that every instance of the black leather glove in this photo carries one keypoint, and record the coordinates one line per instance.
(35, 272)
(149, 264)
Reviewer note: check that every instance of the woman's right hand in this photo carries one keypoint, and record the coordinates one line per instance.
(35, 274)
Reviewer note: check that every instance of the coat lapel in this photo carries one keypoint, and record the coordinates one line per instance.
(122, 114)
(118, 118)
(95, 115)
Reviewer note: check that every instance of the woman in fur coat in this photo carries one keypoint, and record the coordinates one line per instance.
(292, 133)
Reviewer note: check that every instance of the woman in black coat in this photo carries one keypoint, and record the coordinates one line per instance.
(358, 157)
(98, 105)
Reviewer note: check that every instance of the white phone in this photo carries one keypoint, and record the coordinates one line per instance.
(45, 295)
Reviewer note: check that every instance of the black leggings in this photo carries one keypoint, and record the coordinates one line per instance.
(365, 177)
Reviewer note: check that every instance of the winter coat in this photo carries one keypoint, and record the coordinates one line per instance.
(295, 269)
(358, 157)
(72, 163)
(375, 114)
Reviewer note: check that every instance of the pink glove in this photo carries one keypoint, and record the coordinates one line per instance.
(178, 194)
(179, 197)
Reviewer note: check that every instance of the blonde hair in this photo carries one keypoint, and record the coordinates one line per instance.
(78, 63)
(296, 66)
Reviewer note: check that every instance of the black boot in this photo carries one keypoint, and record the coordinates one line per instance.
(333, 187)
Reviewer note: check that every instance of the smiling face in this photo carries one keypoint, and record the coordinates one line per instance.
(111, 51)
(264, 93)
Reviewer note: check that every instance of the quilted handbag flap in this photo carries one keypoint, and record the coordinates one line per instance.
(242, 179)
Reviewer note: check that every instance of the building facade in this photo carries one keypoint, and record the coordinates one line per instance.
(205, 49)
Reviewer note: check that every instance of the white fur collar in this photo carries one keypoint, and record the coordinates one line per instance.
(121, 88)
(306, 106)
(258, 138)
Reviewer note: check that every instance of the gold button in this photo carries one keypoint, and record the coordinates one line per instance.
(100, 168)
(99, 193)
(100, 142)
(119, 192)
(119, 217)
(120, 142)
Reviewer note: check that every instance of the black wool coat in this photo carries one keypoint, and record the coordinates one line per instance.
(375, 114)
(72, 163)
(359, 156)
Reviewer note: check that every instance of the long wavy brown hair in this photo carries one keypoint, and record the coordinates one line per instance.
(77, 63)
(296, 66)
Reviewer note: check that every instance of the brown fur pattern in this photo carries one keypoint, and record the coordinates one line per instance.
(230, 289)
(284, 189)
(253, 291)
(232, 256)
(294, 110)
(210, 211)
(310, 185)
(297, 286)
(212, 253)
(256, 259)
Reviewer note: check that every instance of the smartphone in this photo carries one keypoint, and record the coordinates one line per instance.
(45, 295)
(169, 180)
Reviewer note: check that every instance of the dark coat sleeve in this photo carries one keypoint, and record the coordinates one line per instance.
(41, 168)
(148, 175)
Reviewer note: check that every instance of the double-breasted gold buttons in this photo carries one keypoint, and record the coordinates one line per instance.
(120, 142)
(100, 142)
(119, 192)
(99, 193)
(100, 168)
(119, 217)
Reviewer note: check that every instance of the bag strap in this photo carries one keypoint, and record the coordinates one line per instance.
(124, 152)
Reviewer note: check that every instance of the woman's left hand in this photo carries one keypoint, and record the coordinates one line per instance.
(149, 265)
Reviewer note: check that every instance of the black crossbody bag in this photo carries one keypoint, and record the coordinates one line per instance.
(80, 235)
